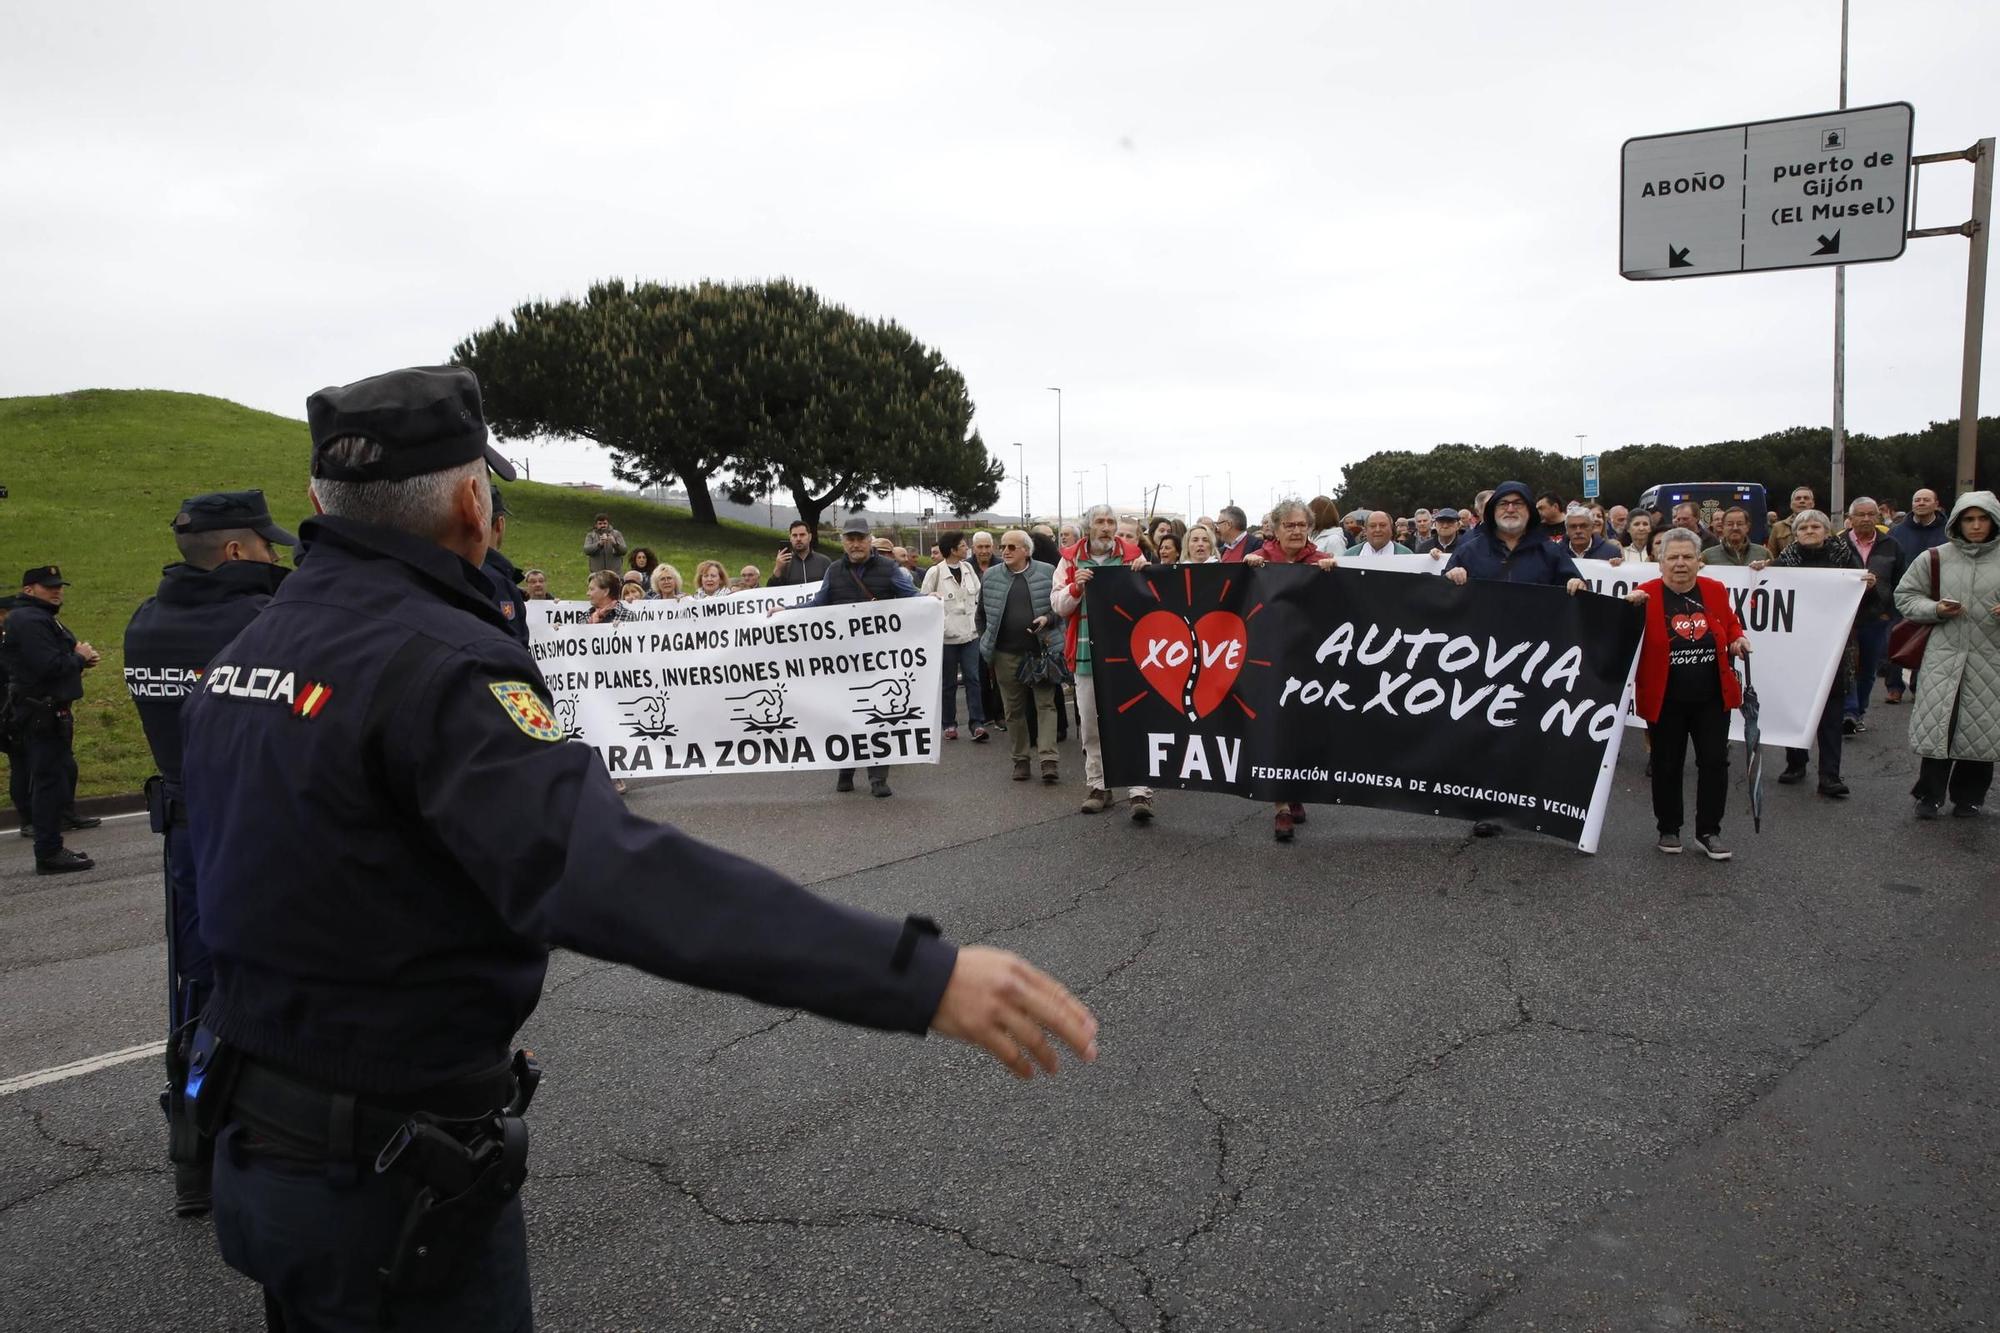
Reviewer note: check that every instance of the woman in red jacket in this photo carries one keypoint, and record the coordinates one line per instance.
(1686, 688)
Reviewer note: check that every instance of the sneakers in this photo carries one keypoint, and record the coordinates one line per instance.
(1485, 829)
(1096, 801)
(63, 863)
(1834, 788)
(1142, 809)
(1849, 725)
(979, 733)
(1964, 810)
(1860, 725)
(878, 786)
(1049, 773)
(951, 733)
(1282, 830)
(997, 725)
(1712, 847)
(1670, 843)
(1020, 770)
(1792, 776)
(1930, 809)
(845, 782)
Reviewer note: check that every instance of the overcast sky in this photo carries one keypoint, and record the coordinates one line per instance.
(1259, 240)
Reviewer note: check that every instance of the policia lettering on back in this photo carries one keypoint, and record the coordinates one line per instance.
(375, 945)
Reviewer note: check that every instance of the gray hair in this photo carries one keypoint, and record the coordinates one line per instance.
(420, 506)
(1679, 536)
(1858, 501)
(981, 533)
(1812, 516)
(1286, 507)
(1235, 514)
(1091, 514)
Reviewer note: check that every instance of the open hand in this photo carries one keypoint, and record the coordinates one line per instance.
(1004, 1004)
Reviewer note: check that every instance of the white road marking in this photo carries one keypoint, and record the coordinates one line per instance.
(76, 1068)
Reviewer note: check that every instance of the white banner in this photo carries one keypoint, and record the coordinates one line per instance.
(1797, 620)
(723, 685)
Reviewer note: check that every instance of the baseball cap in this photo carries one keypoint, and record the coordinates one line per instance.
(854, 526)
(221, 511)
(420, 420)
(48, 576)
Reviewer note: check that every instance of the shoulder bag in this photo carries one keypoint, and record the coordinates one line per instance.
(1908, 639)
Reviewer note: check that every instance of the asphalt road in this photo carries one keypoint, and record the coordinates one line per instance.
(1385, 1078)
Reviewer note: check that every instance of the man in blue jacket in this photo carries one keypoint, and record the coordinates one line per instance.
(1498, 551)
(864, 575)
(1916, 532)
(1508, 548)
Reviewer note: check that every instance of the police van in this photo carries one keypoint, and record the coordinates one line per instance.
(1710, 498)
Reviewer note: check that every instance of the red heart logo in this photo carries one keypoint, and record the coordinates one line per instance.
(1165, 649)
(1221, 637)
(1690, 626)
(1192, 669)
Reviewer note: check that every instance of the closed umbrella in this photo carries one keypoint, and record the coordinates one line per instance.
(1752, 744)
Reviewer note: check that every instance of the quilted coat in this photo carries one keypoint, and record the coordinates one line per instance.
(1957, 714)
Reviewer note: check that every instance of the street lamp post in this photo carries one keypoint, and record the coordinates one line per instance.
(1021, 471)
(1057, 391)
(1203, 479)
(1107, 483)
(1081, 473)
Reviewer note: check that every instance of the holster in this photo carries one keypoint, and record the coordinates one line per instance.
(466, 1173)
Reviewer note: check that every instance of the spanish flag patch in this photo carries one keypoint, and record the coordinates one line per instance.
(523, 705)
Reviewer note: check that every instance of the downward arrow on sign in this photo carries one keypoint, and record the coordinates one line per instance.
(1678, 258)
(1829, 245)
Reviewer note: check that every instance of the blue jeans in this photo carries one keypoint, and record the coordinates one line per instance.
(314, 1237)
(962, 660)
(1872, 637)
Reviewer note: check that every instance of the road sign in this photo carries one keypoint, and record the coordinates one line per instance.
(1590, 476)
(1797, 193)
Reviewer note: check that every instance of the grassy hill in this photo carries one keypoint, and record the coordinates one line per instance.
(94, 477)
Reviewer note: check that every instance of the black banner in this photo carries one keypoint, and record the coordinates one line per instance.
(1490, 701)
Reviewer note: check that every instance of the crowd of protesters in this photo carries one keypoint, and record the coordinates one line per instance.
(1017, 647)
(1013, 604)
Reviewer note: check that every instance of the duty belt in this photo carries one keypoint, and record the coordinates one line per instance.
(315, 1122)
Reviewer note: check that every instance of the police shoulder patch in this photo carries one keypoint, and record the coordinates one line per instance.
(525, 707)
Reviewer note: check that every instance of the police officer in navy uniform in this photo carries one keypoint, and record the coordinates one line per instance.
(863, 574)
(227, 573)
(376, 946)
(10, 744)
(45, 666)
(505, 574)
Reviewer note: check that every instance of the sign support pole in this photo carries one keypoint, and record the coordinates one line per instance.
(1976, 230)
(1839, 495)
(1975, 316)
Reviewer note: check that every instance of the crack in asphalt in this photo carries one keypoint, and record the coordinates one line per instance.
(582, 974)
(789, 1016)
(1524, 1017)
(93, 1169)
(1233, 1179)
(1146, 939)
(1224, 1203)
(1075, 904)
(1077, 1273)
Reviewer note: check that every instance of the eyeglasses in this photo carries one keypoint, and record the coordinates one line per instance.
(1012, 546)
(1295, 527)
(1511, 502)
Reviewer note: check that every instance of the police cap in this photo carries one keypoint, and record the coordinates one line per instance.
(500, 504)
(47, 576)
(421, 420)
(224, 511)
